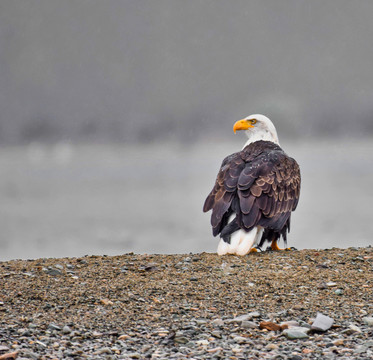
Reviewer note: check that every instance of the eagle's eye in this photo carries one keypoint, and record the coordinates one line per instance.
(253, 121)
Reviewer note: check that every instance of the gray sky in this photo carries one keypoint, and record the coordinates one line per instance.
(183, 70)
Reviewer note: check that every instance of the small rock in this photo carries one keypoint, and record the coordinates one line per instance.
(289, 324)
(269, 325)
(134, 356)
(180, 338)
(368, 321)
(271, 347)
(52, 326)
(296, 333)
(202, 342)
(53, 272)
(30, 355)
(322, 285)
(9, 356)
(354, 328)
(331, 284)
(240, 339)
(360, 349)
(307, 351)
(104, 350)
(295, 357)
(338, 342)
(214, 350)
(106, 302)
(236, 350)
(124, 337)
(351, 330)
(322, 323)
(338, 292)
(218, 322)
(244, 317)
(249, 324)
(66, 330)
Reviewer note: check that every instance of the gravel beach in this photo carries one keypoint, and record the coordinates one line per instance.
(308, 304)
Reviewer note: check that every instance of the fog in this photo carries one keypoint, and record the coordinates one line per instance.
(115, 116)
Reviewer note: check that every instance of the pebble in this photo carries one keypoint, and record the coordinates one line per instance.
(53, 272)
(245, 324)
(165, 316)
(338, 342)
(244, 317)
(289, 324)
(218, 322)
(216, 334)
(271, 347)
(66, 330)
(239, 339)
(54, 327)
(322, 323)
(296, 333)
(352, 329)
(368, 321)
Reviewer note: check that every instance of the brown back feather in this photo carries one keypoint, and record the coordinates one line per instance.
(263, 185)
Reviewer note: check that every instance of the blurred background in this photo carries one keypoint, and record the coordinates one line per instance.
(115, 116)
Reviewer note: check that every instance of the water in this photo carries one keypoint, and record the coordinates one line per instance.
(66, 200)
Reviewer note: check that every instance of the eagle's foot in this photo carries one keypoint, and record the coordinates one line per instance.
(274, 247)
(255, 250)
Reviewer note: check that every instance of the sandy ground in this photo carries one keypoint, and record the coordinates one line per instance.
(151, 297)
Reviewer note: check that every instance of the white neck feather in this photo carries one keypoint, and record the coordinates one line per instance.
(261, 135)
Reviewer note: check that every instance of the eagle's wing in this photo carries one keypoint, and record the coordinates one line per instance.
(260, 185)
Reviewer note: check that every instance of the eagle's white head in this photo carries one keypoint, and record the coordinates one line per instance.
(258, 127)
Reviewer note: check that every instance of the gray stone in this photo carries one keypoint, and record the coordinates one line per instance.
(351, 330)
(244, 317)
(54, 327)
(322, 323)
(180, 338)
(368, 321)
(216, 334)
(53, 272)
(29, 354)
(249, 324)
(66, 330)
(296, 333)
(218, 322)
(289, 324)
(239, 339)
(135, 356)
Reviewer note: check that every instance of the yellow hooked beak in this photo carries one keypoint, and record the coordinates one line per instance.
(243, 124)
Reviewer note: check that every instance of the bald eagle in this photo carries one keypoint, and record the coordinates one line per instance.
(255, 191)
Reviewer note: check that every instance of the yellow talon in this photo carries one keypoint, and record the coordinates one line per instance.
(275, 247)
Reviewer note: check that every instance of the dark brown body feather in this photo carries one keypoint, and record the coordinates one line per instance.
(261, 186)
